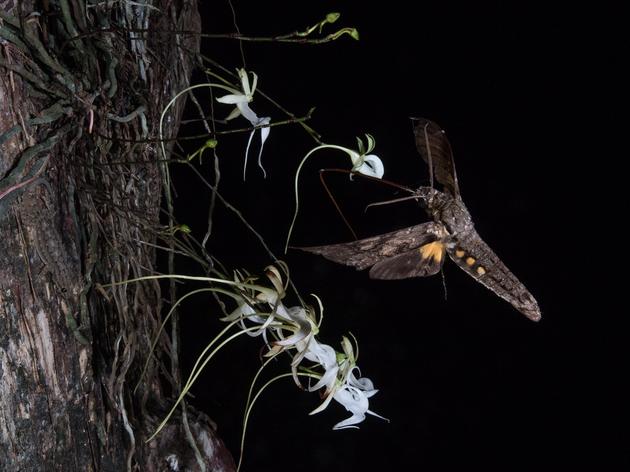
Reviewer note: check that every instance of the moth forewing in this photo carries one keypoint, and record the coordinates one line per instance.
(436, 151)
(367, 252)
(476, 258)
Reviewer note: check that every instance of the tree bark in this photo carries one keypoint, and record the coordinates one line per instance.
(82, 88)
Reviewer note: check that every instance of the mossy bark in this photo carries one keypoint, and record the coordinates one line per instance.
(82, 87)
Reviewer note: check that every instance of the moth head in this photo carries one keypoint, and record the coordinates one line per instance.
(454, 216)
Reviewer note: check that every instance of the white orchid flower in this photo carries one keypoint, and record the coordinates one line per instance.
(242, 99)
(362, 161)
(305, 328)
(253, 304)
(365, 163)
(353, 395)
(245, 312)
(325, 356)
(302, 337)
(347, 389)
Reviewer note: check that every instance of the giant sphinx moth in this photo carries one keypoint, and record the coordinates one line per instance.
(420, 250)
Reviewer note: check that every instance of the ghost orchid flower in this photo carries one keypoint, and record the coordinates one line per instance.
(365, 163)
(253, 303)
(347, 389)
(303, 324)
(244, 312)
(242, 99)
(304, 342)
(326, 357)
(353, 395)
(362, 161)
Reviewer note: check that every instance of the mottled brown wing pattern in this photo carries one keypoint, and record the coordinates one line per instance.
(420, 262)
(367, 252)
(479, 261)
(435, 149)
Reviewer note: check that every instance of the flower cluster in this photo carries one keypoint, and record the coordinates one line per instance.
(294, 329)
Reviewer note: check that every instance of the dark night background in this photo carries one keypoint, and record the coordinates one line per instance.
(466, 381)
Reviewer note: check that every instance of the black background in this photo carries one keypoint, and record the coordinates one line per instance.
(466, 381)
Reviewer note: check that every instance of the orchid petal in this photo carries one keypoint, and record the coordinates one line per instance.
(232, 99)
(355, 157)
(322, 354)
(360, 146)
(371, 143)
(255, 82)
(325, 356)
(263, 328)
(233, 114)
(249, 142)
(274, 276)
(298, 316)
(364, 384)
(264, 134)
(302, 347)
(356, 402)
(301, 351)
(242, 73)
(242, 311)
(268, 295)
(371, 166)
(295, 362)
(323, 405)
(327, 380)
(350, 422)
(370, 412)
(348, 350)
(248, 113)
(246, 313)
(296, 337)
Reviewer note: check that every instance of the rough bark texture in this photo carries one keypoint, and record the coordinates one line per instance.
(78, 201)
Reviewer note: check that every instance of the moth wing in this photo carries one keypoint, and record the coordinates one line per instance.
(476, 258)
(367, 252)
(420, 262)
(436, 151)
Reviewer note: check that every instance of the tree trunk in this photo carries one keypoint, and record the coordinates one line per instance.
(82, 88)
